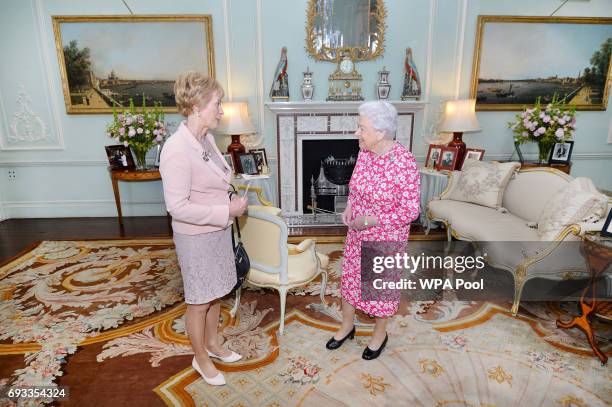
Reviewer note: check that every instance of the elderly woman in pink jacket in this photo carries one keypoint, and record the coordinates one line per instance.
(196, 181)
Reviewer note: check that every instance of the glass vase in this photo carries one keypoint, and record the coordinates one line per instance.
(140, 156)
(544, 148)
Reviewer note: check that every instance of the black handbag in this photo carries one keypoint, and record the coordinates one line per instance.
(240, 255)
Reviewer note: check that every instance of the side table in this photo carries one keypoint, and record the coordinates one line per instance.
(598, 254)
(433, 183)
(132, 176)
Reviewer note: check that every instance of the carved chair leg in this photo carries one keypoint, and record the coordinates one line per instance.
(323, 285)
(519, 283)
(282, 292)
(236, 302)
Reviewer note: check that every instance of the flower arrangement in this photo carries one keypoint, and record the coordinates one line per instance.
(545, 125)
(140, 131)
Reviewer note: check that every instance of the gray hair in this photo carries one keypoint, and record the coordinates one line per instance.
(383, 116)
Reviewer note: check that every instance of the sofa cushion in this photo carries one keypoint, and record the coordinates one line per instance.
(578, 201)
(482, 182)
(479, 223)
(528, 192)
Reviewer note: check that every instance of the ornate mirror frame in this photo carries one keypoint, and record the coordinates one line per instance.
(335, 54)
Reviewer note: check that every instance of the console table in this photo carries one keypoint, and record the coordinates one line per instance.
(132, 176)
(598, 254)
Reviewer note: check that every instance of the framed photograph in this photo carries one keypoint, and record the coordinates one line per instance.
(229, 159)
(158, 149)
(561, 153)
(106, 60)
(433, 156)
(248, 164)
(473, 154)
(260, 158)
(518, 59)
(120, 157)
(607, 228)
(448, 158)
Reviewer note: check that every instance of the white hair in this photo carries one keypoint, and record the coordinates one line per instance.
(383, 116)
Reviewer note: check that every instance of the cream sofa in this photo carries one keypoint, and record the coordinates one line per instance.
(524, 199)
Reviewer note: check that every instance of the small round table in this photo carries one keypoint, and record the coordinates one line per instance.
(598, 254)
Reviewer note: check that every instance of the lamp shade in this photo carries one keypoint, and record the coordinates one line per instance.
(235, 119)
(460, 116)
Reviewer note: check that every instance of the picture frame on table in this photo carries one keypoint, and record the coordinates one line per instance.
(120, 157)
(473, 154)
(448, 158)
(434, 153)
(229, 159)
(248, 164)
(504, 79)
(606, 231)
(95, 75)
(158, 154)
(561, 153)
(260, 158)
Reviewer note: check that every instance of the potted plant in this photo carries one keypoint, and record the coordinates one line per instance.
(140, 131)
(545, 125)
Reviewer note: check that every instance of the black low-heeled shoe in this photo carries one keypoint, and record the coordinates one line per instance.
(334, 343)
(369, 354)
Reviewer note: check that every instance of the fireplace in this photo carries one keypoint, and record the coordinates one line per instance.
(325, 171)
(316, 149)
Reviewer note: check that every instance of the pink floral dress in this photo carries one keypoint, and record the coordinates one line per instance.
(386, 187)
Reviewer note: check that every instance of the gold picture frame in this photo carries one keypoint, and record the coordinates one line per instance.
(516, 60)
(334, 54)
(112, 58)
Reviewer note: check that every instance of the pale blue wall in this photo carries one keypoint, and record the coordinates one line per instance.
(73, 181)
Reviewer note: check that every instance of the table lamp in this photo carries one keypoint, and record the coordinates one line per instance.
(459, 117)
(235, 121)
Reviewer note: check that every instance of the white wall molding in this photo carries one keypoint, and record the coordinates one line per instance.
(461, 25)
(228, 62)
(58, 163)
(260, 80)
(27, 128)
(425, 125)
(42, 43)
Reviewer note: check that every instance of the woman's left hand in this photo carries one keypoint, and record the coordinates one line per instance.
(363, 222)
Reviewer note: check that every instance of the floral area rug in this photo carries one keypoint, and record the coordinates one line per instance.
(105, 318)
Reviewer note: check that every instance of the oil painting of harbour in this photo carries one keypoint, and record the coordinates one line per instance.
(521, 59)
(108, 60)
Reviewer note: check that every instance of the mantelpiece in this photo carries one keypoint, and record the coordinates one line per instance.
(339, 107)
(330, 128)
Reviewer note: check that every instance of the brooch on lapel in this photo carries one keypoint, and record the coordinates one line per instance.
(206, 156)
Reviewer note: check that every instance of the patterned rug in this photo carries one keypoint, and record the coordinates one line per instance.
(105, 318)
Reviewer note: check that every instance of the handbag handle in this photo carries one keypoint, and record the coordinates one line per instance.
(235, 222)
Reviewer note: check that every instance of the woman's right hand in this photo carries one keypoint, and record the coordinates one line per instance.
(347, 214)
(237, 206)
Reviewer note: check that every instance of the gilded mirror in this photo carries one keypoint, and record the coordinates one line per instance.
(337, 27)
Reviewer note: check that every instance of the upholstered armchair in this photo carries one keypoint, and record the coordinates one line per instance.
(275, 263)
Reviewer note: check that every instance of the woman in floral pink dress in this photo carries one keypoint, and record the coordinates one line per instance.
(383, 200)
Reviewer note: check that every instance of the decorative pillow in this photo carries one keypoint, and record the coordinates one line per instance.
(578, 201)
(482, 182)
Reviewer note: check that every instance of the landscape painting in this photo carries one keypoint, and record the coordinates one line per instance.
(518, 59)
(106, 60)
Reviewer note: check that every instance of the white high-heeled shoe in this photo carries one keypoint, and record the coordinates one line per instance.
(218, 380)
(234, 357)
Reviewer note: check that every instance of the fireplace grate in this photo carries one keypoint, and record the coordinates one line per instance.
(310, 220)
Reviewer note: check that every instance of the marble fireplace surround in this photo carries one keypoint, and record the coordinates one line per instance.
(296, 121)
